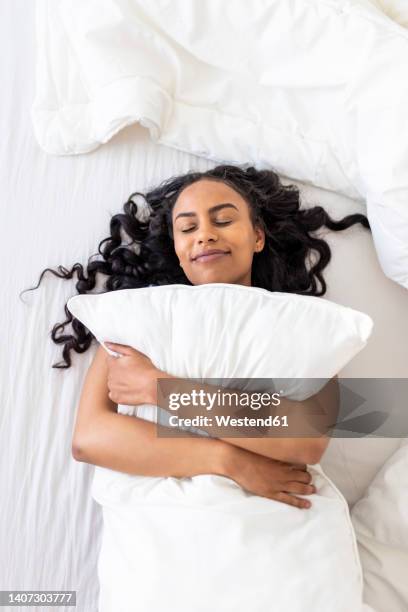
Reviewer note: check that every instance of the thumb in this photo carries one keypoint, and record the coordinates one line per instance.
(119, 348)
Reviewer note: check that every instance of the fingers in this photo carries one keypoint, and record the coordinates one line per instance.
(298, 466)
(299, 488)
(291, 466)
(291, 500)
(304, 477)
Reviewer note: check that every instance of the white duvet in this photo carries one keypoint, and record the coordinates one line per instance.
(203, 543)
(316, 89)
(200, 544)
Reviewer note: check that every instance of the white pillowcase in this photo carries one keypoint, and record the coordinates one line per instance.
(204, 543)
(222, 330)
(353, 463)
(380, 519)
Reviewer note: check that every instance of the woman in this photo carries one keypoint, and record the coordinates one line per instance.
(226, 225)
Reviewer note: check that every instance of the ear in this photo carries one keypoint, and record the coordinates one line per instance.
(259, 239)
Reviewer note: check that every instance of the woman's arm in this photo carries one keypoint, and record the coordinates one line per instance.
(311, 417)
(95, 406)
(128, 444)
(133, 379)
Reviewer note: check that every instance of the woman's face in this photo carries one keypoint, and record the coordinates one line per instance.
(209, 215)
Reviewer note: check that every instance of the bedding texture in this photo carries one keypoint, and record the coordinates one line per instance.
(61, 206)
(204, 543)
(397, 10)
(380, 519)
(316, 90)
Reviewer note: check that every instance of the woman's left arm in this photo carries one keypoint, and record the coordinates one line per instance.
(136, 380)
(304, 438)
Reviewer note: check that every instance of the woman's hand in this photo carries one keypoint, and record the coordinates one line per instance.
(131, 377)
(132, 380)
(268, 477)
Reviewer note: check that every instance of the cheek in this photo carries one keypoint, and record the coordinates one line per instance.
(242, 242)
(181, 247)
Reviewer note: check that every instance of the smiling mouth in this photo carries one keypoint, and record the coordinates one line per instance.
(211, 257)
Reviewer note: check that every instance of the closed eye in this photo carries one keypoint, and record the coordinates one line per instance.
(216, 222)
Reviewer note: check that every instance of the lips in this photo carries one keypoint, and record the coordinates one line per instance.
(210, 255)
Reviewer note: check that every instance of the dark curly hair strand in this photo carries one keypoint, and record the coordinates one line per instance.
(149, 258)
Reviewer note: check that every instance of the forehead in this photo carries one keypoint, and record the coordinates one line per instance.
(206, 193)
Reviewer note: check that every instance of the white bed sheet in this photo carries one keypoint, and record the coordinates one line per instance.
(55, 210)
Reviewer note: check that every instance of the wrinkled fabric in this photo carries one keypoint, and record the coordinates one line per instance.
(204, 543)
(316, 90)
(380, 519)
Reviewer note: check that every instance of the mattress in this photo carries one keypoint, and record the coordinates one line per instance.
(55, 211)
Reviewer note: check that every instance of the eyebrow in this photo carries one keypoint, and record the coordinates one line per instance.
(212, 209)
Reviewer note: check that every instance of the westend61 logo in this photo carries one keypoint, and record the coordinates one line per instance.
(201, 398)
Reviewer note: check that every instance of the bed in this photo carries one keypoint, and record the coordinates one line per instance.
(55, 211)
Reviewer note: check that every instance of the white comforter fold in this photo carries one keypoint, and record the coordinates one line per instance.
(317, 90)
(271, 556)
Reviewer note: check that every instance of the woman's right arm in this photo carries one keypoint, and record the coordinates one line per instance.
(131, 445)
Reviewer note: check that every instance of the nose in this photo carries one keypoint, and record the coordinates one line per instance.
(206, 233)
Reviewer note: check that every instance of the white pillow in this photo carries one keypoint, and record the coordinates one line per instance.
(297, 86)
(204, 543)
(380, 520)
(222, 330)
(353, 463)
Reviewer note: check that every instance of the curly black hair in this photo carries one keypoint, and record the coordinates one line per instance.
(285, 263)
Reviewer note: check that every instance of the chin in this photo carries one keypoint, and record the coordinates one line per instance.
(215, 279)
